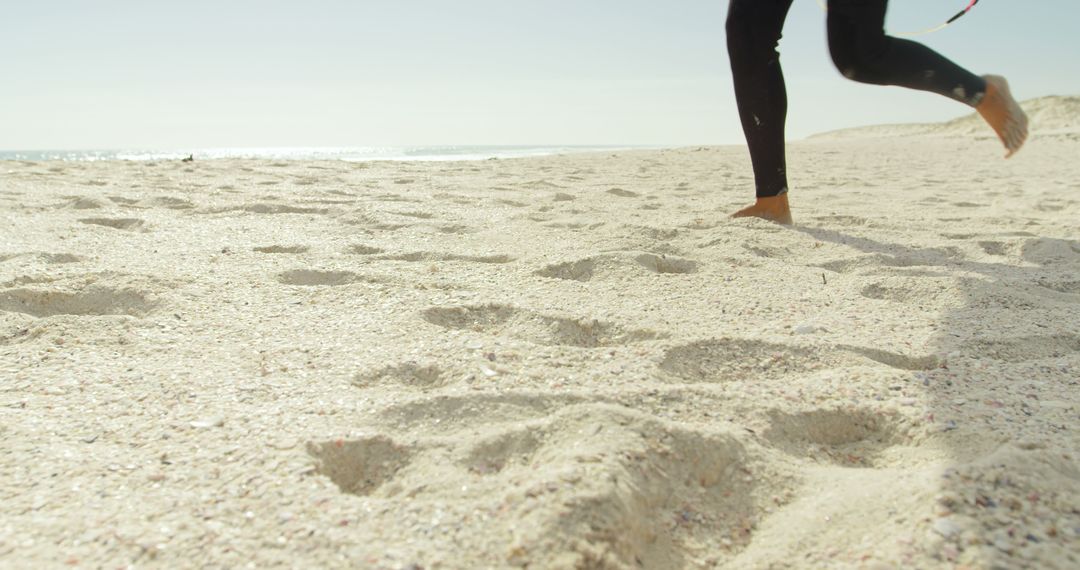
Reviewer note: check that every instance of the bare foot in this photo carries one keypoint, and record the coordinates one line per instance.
(773, 208)
(1003, 113)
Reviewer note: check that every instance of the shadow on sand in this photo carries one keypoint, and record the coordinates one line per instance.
(1002, 399)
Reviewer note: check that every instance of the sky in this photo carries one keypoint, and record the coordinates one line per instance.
(149, 74)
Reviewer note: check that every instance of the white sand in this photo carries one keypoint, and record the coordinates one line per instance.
(564, 362)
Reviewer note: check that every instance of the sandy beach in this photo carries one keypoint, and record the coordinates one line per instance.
(570, 361)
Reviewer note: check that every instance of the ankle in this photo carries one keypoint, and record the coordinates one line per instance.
(780, 200)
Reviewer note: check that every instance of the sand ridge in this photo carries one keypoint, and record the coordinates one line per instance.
(1053, 116)
(559, 362)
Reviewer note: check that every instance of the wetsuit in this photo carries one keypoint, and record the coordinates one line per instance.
(861, 51)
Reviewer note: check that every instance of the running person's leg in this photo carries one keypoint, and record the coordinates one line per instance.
(753, 32)
(862, 52)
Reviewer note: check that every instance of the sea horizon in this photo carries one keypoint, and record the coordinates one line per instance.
(358, 153)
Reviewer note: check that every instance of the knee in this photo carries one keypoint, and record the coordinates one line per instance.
(856, 59)
(846, 63)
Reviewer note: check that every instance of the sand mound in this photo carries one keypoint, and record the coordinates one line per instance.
(1050, 116)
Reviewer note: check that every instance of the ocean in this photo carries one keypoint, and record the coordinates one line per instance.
(356, 154)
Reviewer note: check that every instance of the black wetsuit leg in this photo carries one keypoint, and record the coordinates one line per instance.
(862, 52)
(753, 33)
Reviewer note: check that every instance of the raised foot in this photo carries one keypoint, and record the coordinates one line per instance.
(1003, 114)
(773, 208)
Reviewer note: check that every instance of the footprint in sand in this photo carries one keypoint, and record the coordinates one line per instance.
(1053, 205)
(845, 437)
(649, 232)
(833, 220)
(878, 260)
(90, 300)
(515, 447)
(171, 203)
(726, 360)
(646, 493)
(48, 258)
(896, 360)
(86, 203)
(27, 280)
(612, 265)
(428, 256)
(574, 224)
(124, 200)
(361, 466)
(332, 202)
(1024, 349)
(125, 224)
(361, 249)
(319, 278)
(768, 252)
(461, 199)
(886, 293)
(425, 376)
(415, 214)
(745, 360)
(960, 237)
(540, 184)
(463, 413)
(994, 247)
(282, 249)
(393, 198)
(918, 291)
(60, 258)
(1067, 287)
(666, 264)
(623, 193)
(504, 320)
(652, 494)
(1049, 251)
(456, 229)
(371, 221)
(267, 208)
(699, 224)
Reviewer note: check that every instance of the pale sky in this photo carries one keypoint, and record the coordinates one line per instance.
(123, 74)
